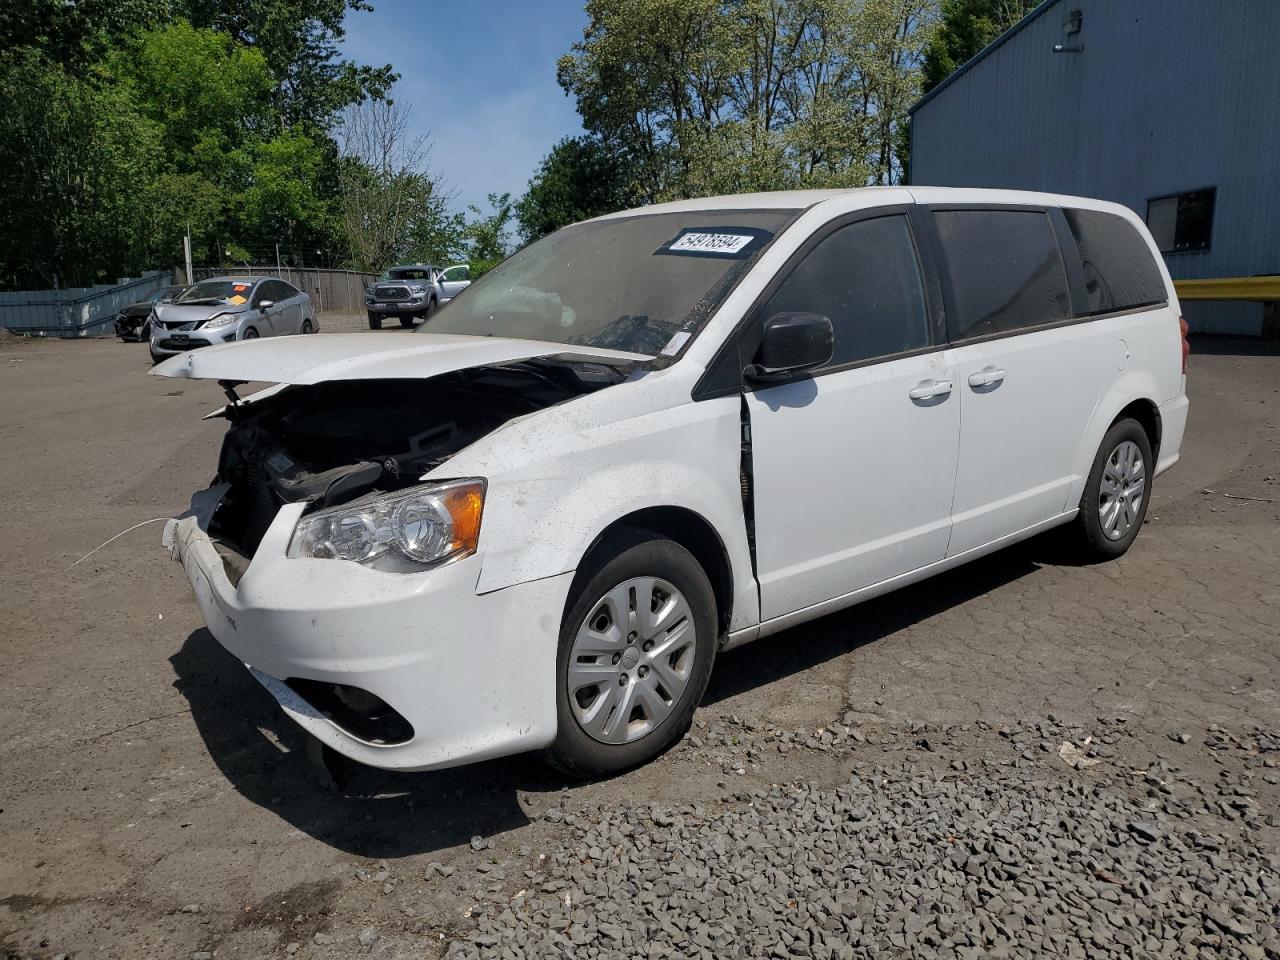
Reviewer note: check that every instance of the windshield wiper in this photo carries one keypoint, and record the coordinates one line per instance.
(205, 302)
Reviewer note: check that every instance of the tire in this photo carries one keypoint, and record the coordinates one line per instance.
(307, 328)
(406, 321)
(250, 333)
(375, 322)
(590, 737)
(1102, 530)
(155, 359)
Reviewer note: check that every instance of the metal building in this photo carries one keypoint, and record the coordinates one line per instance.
(1171, 107)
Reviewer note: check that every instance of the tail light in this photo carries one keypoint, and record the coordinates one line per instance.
(1184, 328)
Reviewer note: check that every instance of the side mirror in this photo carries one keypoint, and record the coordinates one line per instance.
(263, 304)
(791, 342)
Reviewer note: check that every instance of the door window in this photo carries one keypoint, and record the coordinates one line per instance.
(461, 272)
(865, 278)
(1005, 269)
(1119, 270)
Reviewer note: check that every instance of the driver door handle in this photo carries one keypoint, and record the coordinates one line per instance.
(928, 389)
(986, 377)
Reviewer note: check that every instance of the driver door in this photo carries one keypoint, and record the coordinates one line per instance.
(854, 464)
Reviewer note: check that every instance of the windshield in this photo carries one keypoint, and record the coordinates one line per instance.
(217, 291)
(632, 284)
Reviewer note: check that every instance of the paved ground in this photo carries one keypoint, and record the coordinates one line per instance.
(154, 802)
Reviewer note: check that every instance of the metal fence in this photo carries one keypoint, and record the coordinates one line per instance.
(332, 291)
(75, 311)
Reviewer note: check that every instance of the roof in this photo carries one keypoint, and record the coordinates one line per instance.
(804, 199)
(772, 200)
(982, 54)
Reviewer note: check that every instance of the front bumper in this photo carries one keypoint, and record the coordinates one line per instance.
(168, 343)
(397, 307)
(473, 674)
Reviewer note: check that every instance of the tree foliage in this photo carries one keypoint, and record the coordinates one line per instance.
(580, 178)
(128, 122)
(965, 27)
(393, 208)
(719, 96)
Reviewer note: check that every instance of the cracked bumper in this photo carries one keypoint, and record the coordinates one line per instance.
(474, 674)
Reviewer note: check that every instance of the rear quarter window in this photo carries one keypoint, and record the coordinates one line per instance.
(1119, 271)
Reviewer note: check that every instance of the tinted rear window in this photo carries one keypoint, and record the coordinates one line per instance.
(1005, 268)
(1119, 271)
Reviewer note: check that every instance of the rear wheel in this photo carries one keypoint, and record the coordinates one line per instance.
(1114, 503)
(375, 321)
(636, 648)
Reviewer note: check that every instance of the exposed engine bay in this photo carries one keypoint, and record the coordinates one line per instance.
(329, 443)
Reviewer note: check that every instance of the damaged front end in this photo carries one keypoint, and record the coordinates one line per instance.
(332, 443)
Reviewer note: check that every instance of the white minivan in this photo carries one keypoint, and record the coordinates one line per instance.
(658, 434)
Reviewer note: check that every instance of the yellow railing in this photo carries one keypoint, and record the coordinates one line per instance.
(1229, 288)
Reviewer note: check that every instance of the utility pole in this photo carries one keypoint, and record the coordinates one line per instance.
(186, 250)
(278, 271)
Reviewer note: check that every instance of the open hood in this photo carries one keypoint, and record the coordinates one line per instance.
(367, 356)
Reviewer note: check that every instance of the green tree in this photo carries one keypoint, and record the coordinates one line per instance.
(965, 27)
(299, 41)
(488, 235)
(75, 34)
(71, 158)
(717, 96)
(393, 208)
(580, 178)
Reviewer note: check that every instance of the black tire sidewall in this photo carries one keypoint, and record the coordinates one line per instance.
(632, 554)
(1092, 540)
(375, 322)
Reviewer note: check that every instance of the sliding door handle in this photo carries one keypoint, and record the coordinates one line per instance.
(986, 377)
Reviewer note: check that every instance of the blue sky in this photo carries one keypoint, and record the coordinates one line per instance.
(480, 76)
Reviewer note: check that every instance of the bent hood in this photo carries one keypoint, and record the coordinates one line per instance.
(303, 360)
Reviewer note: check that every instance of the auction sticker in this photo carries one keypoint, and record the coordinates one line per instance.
(733, 243)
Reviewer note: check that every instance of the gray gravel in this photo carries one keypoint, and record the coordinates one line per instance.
(901, 865)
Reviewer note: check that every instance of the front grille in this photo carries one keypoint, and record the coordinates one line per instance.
(391, 293)
(178, 326)
(167, 344)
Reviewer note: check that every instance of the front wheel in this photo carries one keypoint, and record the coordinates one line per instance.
(306, 327)
(1114, 503)
(636, 647)
(375, 321)
(250, 333)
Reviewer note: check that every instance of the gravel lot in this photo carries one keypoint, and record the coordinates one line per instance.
(1022, 756)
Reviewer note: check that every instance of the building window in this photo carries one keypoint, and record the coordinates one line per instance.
(1183, 222)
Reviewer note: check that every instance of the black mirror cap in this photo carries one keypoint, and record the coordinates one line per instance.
(792, 342)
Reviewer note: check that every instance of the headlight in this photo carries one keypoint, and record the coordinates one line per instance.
(418, 288)
(403, 532)
(221, 320)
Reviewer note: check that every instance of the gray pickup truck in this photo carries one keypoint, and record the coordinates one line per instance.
(412, 292)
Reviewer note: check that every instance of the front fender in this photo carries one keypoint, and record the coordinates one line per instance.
(556, 482)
